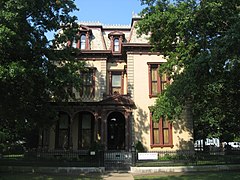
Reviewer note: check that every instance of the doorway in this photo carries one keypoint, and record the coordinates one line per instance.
(116, 131)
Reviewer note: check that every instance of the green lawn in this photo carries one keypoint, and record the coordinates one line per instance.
(172, 176)
(36, 176)
(193, 176)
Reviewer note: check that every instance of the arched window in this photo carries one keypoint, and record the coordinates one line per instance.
(83, 41)
(116, 44)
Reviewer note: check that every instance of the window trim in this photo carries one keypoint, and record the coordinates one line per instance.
(160, 131)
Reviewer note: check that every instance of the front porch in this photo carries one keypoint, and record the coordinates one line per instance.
(89, 125)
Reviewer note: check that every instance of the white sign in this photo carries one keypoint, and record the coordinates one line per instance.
(92, 153)
(147, 156)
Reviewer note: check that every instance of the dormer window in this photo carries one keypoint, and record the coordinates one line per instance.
(83, 41)
(116, 45)
(116, 39)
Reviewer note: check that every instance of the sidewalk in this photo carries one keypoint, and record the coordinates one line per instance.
(118, 176)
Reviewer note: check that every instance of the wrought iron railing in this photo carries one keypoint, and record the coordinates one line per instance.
(118, 159)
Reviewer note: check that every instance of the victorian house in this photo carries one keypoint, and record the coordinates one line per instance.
(113, 105)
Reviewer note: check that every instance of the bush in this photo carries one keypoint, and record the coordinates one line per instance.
(139, 147)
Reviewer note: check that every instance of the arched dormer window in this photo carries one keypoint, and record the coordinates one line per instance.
(116, 45)
(83, 41)
(116, 38)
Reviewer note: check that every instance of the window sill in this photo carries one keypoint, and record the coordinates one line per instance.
(153, 96)
(116, 53)
(161, 145)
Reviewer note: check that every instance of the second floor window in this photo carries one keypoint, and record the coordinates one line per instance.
(157, 83)
(116, 82)
(83, 41)
(88, 83)
(154, 80)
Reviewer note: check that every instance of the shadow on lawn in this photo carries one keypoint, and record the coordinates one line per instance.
(54, 176)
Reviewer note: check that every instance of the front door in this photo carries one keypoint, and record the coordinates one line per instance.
(116, 131)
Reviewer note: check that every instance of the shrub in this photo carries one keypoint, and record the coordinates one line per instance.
(139, 147)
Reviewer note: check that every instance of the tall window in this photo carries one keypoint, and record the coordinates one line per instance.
(87, 85)
(85, 134)
(116, 82)
(116, 44)
(157, 83)
(154, 80)
(83, 41)
(62, 132)
(161, 133)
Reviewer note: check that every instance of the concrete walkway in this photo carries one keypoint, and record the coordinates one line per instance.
(117, 176)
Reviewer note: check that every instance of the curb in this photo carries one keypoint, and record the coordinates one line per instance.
(146, 170)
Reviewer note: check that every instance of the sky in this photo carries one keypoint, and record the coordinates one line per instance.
(107, 11)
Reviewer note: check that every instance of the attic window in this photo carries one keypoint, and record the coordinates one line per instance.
(116, 38)
(116, 45)
(83, 41)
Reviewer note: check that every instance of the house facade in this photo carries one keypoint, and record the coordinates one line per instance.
(112, 107)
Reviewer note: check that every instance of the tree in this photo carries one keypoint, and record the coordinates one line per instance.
(201, 42)
(29, 79)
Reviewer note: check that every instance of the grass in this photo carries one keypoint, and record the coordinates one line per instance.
(36, 176)
(226, 175)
